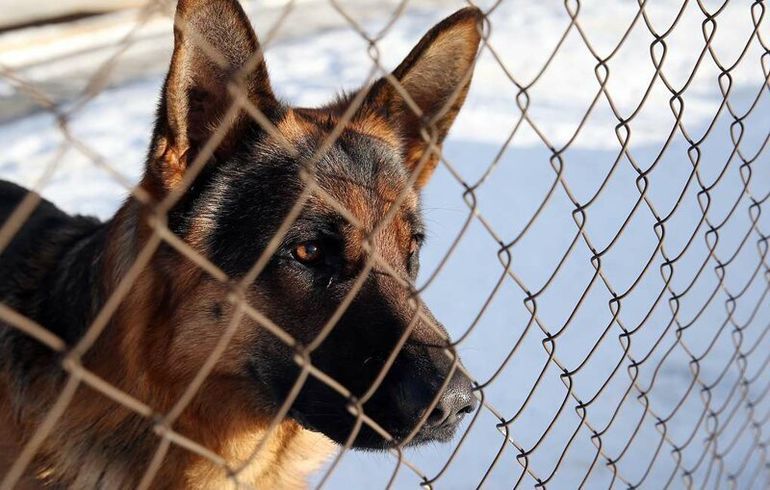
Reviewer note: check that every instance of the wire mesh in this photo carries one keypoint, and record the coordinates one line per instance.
(719, 410)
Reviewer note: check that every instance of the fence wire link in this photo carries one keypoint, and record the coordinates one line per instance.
(719, 422)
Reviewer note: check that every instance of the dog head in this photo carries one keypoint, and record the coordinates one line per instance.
(339, 273)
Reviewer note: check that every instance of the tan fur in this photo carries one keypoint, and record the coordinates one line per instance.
(293, 127)
(285, 461)
(375, 127)
(436, 75)
(174, 164)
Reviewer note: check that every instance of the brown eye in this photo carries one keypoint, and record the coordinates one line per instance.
(308, 252)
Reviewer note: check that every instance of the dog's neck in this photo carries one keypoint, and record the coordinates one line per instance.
(119, 445)
(287, 456)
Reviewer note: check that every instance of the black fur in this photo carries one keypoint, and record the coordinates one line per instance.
(50, 271)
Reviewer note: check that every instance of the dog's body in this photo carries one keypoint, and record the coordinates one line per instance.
(59, 271)
(97, 443)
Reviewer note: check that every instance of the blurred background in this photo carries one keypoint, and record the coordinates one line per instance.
(597, 234)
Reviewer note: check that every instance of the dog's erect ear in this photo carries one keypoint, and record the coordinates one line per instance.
(215, 48)
(436, 74)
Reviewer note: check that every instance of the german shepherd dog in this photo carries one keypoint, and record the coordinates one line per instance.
(58, 270)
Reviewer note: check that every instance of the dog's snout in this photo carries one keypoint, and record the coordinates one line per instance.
(456, 402)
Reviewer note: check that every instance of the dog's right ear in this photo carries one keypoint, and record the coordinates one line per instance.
(215, 49)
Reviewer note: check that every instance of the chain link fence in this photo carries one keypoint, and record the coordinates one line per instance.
(640, 364)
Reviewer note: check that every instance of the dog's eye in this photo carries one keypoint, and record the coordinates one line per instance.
(308, 252)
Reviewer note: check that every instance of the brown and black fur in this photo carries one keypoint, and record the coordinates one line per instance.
(58, 270)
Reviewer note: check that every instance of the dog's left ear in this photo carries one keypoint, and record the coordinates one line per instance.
(436, 75)
(215, 49)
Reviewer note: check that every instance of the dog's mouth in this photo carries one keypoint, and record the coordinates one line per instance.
(393, 416)
(368, 438)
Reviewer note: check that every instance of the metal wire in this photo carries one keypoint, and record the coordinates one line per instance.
(724, 408)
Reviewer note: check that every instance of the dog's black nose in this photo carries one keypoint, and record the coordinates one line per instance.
(456, 402)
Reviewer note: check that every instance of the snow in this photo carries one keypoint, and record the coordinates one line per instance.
(307, 71)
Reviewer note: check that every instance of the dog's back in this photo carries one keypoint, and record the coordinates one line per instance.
(32, 262)
(35, 232)
(42, 277)
(45, 217)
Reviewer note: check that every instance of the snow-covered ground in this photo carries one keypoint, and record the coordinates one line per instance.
(720, 432)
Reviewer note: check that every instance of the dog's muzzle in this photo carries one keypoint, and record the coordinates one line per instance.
(456, 401)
